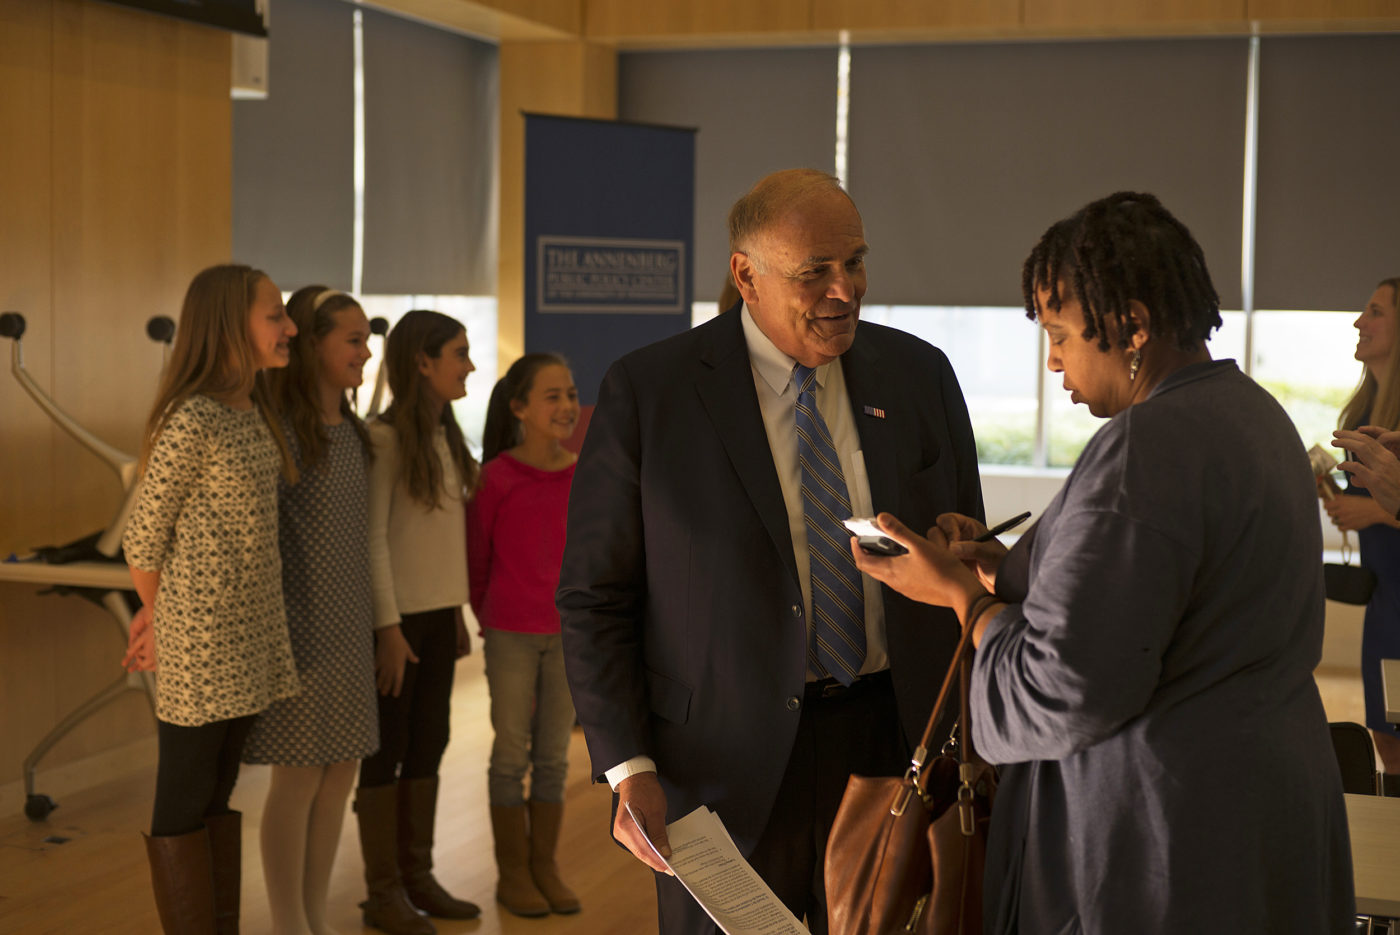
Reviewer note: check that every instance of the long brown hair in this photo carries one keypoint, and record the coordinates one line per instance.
(213, 353)
(296, 389)
(423, 332)
(1376, 402)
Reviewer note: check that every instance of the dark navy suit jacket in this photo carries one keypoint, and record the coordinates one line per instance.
(683, 624)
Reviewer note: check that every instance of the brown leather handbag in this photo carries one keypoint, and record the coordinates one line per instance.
(906, 853)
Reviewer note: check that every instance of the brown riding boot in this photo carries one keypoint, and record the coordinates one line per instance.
(226, 849)
(417, 812)
(545, 819)
(516, 889)
(387, 907)
(182, 879)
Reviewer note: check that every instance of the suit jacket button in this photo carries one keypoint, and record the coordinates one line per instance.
(797, 610)
(794, 703)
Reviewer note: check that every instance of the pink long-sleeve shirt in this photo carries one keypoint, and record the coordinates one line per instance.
(515, 541)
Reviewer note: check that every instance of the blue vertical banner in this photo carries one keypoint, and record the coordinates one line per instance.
(609, 223)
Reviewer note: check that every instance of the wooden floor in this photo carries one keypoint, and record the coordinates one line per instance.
(84, 869)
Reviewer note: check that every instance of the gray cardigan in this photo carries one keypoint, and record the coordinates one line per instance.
(1150, 690)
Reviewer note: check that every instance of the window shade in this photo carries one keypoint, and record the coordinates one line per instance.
(431, 105)
(756, 111)
(293, 153)
(1328, 144)
(962, 155)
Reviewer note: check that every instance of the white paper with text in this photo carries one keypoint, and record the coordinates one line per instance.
(705, 860)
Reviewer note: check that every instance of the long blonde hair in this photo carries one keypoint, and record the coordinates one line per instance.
(423, 332)
(295, 388)
(1378, 403)
(214, 353)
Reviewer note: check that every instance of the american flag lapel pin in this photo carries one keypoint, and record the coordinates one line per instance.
(875, 411)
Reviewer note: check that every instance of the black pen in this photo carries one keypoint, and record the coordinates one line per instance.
(1000, 528)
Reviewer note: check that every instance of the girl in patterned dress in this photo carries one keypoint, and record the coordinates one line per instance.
(314, 741)
(422, 474)
(202, 548)
(515, 537)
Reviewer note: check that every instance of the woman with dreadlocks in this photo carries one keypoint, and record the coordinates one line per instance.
(1145, 653)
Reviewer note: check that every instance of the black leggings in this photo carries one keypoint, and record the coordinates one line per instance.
(196, 772)
(413, 728)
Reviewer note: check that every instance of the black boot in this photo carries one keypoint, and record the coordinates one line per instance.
(417, 812)
(226, 849)
(387, 907)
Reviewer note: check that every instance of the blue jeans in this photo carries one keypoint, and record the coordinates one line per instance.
(531, 713)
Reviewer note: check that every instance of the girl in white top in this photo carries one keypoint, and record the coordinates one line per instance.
(202, 548)
(422, 474)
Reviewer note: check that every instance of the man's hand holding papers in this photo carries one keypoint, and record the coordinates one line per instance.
(702, 855)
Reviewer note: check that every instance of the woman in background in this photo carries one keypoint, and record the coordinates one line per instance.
(515, 537)
(1376, 402)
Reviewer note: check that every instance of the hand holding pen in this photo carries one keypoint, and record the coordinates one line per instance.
(977, 547)
(1002, 527)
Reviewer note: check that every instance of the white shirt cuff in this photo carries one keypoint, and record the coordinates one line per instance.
(638, 764)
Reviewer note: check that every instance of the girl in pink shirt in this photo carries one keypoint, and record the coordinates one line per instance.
(515, 540)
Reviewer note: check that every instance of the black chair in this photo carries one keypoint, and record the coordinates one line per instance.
(1356, 757)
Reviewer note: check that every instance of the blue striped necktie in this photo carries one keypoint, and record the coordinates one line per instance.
(838, 598)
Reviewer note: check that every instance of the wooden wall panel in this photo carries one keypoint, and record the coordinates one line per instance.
(115, 184)
(572, 79)
(1087, 17)
(505, 20)
(141, 203)
(730, 23)
(26, 454)
(904, 19)
(1377, 14)
(618, 21)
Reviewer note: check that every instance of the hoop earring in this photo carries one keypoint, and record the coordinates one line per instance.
(1134, 364)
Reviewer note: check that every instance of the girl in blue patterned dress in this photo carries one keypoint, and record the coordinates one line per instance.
(202, 548)
(315, 740)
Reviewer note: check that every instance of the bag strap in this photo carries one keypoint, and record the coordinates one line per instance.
(921, 752)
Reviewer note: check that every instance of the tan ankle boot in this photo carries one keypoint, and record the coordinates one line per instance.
(387, 907)
(516, 888)
(545, 819)
(417, 813)
(182, 879)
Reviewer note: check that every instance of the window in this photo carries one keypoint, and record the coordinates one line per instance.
(478, 315)
(1305, 360)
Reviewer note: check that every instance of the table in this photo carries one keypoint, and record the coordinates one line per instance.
(1390, 682)
(1374, 822)
(110, 580)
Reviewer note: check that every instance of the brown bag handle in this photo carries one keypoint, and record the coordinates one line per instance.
(920, 756)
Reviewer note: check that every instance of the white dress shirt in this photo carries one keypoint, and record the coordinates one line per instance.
(777, 400)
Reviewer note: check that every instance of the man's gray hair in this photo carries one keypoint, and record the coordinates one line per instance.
(765, 203)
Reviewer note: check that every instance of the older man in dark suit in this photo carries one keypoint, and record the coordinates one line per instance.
(721, 647)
